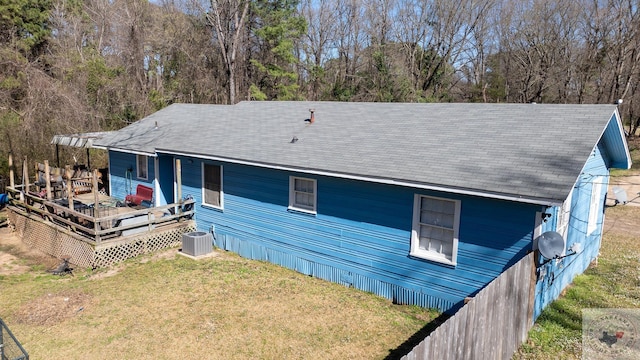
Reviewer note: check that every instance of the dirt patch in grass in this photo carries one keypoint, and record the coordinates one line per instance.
(16, 257)
(51, 309)
(11, 265)
(623, 218)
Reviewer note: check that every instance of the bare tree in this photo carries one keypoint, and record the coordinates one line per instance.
(475, 57)
(343, 71)
(438, 36)
(179, 68)
(228, 18)
(317, 47)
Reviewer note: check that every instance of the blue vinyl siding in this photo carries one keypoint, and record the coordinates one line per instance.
(122, 172)
(556, 276)
(361, 233)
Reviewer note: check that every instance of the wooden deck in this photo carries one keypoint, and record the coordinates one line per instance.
(96, 230)
(98, 221)
(64, 213)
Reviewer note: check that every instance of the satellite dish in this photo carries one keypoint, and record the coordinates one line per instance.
(620, 194)
(550, 244)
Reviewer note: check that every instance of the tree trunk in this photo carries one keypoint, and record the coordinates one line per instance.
(228, 20)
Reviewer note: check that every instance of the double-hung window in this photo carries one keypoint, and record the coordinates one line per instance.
(435, 229)
(142, 167)
(212, 185)
(562, 221)
(596, 205)
(564, 215)
(302, 194)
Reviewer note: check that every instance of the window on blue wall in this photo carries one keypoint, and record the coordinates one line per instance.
(595, 207)
(435, 229)
(142, 171)
(562, 221)
(302, 194)
(212, 185)
(564, 215)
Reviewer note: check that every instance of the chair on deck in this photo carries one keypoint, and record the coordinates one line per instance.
(143, 194)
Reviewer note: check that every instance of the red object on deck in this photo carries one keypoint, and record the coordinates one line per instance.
(142, 193)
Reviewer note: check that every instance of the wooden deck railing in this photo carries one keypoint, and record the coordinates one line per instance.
(110, 223)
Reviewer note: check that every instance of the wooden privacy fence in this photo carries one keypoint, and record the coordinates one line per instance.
(490, 326)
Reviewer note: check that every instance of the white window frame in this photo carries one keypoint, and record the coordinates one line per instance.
(563, 221)
(594, 208)
(415, 250)
(204, 203)
(563, 218)
(292, 196)
(142, 159)
(537, 230)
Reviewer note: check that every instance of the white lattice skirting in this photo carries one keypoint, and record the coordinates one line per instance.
(60, 242)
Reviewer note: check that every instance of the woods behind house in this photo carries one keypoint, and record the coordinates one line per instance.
(69, 66)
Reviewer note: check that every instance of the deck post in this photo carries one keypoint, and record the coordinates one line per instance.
(96, 195)
(179, 182)
(25, 176)
(12, 180)
(67, 173)
(96, 205)
(47, 179)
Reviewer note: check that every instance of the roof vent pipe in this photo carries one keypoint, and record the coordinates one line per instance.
(312, 118)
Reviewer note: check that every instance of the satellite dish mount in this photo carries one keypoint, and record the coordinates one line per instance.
(551, 246)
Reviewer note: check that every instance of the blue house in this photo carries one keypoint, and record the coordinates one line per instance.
(420, 203)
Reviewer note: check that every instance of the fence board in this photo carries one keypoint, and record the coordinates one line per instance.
(493, 311)
(446, 336)
(500, 291)
(461, 332)
(490, 326)
(482, 347)
(510, 316)
(471, 326)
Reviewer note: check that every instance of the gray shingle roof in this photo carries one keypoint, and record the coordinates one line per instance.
(531, 152)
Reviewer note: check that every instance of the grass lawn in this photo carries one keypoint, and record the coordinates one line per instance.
(167, 306)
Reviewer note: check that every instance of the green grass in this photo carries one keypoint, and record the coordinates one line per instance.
(613, 283)
(224, 307)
